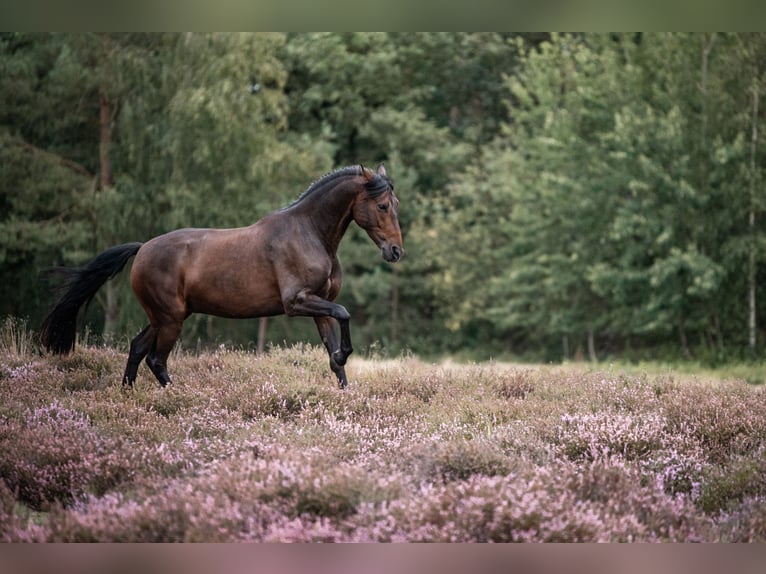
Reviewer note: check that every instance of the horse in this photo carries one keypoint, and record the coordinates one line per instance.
(284, 263)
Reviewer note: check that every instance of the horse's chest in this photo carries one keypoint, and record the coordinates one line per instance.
(322, 280)
(319, 281)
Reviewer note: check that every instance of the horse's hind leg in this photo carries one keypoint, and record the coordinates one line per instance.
(139, 348)
(327, 331)
(157, 359)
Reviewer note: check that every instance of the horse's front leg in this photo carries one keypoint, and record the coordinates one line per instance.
(307, 304)
(326, 327)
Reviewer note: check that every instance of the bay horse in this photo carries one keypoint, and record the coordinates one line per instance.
(285, 263)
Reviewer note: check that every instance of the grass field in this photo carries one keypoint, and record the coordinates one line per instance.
(245, 448)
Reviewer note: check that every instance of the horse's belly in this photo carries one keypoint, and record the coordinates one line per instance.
(267, 309)
(233, 295)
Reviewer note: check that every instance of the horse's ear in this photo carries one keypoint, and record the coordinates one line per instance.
(382, 170)
(367, 173)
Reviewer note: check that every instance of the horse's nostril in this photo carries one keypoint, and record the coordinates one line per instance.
(396, 252)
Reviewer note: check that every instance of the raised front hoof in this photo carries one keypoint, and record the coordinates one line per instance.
(340, 357)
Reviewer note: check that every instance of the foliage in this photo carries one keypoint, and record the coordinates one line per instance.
(613, 199)
(559, 191)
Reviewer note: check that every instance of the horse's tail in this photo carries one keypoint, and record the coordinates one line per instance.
(59, 329)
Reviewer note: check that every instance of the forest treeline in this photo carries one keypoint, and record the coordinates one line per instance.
(562, 196)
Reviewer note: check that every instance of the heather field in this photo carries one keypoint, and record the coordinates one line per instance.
(245, 448)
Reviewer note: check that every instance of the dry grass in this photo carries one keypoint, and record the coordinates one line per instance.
(268, 449)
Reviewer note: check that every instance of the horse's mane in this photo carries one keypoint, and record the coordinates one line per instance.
(375, 187)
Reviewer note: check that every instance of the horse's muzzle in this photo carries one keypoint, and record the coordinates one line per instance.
(392, 253)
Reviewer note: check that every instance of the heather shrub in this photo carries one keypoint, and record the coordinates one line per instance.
(516, 384)
(725, 420)
(53, 454)
(602, 502)
(281, 387)
(724, 488)
(128, 416)
(403, 381)
(301, 485)
(746, 523)
(674, 471)
(304, 529)
(177, 515)
(640, 510)
(266, 399)
(23, 383)
(473, 412)
(167, 402)
(520, 440)
(482, 509)
(592, 436)
(301, 362)
(460, 459)
(88, 369)
(251, 496)
(246, 448)
(617, 392)
(8, 520)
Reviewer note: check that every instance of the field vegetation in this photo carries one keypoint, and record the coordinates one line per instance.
(266, 448)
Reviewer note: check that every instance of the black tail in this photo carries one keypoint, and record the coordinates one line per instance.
(59, 329)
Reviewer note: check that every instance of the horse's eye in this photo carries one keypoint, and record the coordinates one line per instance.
(383, 206)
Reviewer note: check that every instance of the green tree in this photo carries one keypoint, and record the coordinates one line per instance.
(536, 201)
(205, 133)
(613, 203)
(423, 103)
(185, 140)
(48, 178)
(682, 147)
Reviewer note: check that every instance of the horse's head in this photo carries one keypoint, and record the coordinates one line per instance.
(376, 211)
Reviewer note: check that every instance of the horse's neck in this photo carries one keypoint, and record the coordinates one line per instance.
(329, 212)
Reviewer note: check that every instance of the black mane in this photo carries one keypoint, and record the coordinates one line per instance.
(378, 185)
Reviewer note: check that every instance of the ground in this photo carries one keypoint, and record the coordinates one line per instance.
(246, 448)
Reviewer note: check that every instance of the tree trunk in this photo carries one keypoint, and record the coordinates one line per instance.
(684, 342)
(751, 265)
(718, 332)
(105, 121)
(565, 346)
(395, 306)
(260, 347)
(707, 47)
(105, 177)
(592, 346)
(110, 311)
